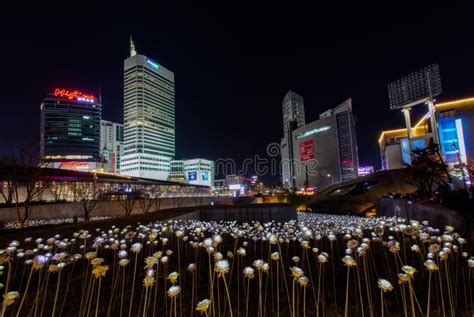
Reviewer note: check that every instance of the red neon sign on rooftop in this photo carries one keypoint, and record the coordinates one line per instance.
(73, 94)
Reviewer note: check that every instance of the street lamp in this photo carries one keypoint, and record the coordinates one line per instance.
(332, 178)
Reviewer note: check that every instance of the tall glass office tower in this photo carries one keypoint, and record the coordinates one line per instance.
(70, 128)
(149, 118)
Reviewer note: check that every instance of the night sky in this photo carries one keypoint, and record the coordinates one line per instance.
(233, 64)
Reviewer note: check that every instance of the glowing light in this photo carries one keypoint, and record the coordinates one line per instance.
(73, 94)
(152, 64)
(310, 132)
(462, 147)
(74, 165)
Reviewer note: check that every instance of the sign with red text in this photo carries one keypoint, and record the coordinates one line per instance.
(73, 94)
(306, 150)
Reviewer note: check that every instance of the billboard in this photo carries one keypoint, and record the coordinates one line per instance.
(74, 165)
(365, 170)
(415, 88)
(192, 176)
(306, 150)
(205, 176)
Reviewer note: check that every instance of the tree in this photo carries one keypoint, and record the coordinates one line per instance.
(88, 195)
(428, 172)
(6, 190)
(23, 176)
(58, 190)
(128, 199)
(146, 202)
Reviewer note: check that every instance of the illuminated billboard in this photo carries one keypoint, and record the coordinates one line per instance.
(192, 176)
(205, 176)
(306, 150)
(234, 187)
(73, 94)
(365, 170)
(74, 165)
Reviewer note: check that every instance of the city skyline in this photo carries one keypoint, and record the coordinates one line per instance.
(217, 102)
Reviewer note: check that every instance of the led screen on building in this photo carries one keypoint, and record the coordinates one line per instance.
(192, 176)
(205, 176)
(306, 150)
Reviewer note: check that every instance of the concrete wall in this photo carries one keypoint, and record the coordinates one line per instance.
(108, 208)
(436, 215)
(261, 213)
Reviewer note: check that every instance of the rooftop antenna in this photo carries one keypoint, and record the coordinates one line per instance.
(133, 52)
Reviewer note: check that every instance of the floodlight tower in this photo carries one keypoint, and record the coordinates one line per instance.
(417, 88)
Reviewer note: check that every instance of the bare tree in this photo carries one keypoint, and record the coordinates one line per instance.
(58, 190)
(428, 173)
(146, 201)
(24, 180)
(128, 200)
(87, 195)
(6, 191)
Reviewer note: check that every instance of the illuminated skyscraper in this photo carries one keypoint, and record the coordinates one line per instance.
(293, 117)
(149, 118)
(70, 130)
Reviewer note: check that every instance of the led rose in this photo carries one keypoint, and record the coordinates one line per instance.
(415, 248)
(149, 278)
(100, 271)
(97, 261)
(173, 277)
(349, 261)
(124, 262)
(157, 255)
(322, 258)
(241, 252)
(303, 281)
(384, 285)
(136, 247)
(173, 291)
(249, 272)
(296, 272)
(275, 256)
(409, 270)
(222, 267)
(431, 265)
(150, 262)
(203, 306)
(9, 298)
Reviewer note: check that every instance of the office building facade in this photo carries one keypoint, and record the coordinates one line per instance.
(111, 145)
(324, 151)
(149, 118)
(70, 130)
(193, 171)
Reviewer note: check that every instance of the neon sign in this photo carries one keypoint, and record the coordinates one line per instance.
(74, 165)
(73, 94)
(152, 64)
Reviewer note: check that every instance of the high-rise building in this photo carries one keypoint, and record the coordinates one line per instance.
(293, 117)
(293, 111)
(70, 130)
(149, 118)
(111, 144)
(324, 151)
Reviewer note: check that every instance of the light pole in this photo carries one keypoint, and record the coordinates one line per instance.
(332, 178)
